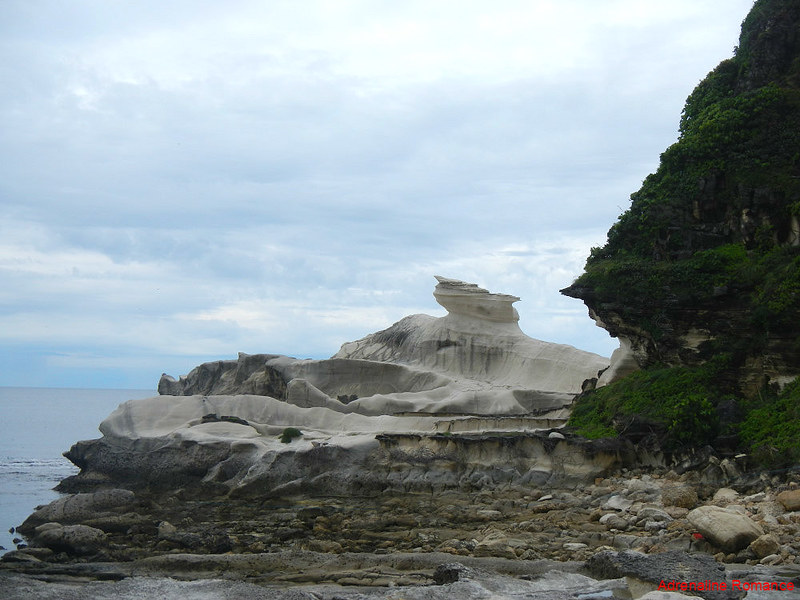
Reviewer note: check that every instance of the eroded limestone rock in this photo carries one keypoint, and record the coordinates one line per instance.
(471, 372)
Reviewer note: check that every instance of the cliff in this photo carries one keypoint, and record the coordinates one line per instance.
(702, 273)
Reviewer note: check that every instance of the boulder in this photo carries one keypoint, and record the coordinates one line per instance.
(480, 339)
(724, 528)
(78, 507)
(790, 499)
(73, 539)
(395, 392)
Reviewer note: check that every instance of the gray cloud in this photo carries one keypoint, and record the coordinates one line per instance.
(187, 180)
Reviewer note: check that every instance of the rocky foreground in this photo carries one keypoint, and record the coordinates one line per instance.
(627, 532)
(428, 460)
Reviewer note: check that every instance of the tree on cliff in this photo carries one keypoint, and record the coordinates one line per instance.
(701, 276)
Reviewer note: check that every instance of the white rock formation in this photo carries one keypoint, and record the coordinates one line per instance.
(461, 298)
(480, 341)
(472, 371)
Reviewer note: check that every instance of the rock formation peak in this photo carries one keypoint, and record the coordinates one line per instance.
(462, 298)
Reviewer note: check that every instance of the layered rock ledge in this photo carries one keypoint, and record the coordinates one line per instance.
(422, 405)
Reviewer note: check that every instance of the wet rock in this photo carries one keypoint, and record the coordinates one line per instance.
(450, 573)
(78, 507)
(724, 528)
(73, 539)
(18, 556)
(653, 569)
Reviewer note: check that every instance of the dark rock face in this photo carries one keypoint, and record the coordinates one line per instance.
(247, 375)
(771, 39)
(668, 567)
(707, 259)
(144, 462)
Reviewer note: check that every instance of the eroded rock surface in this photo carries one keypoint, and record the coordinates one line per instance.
(423, 404)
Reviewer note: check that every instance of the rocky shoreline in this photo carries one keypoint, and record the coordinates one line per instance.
(428, 460)
(398, 540)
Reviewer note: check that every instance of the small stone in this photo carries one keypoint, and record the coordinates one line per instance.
(725, 496)
(166, 530)
(575, 546)
(617, 503)
(772, 559)
(765, 545)
(681, 496)
(614, 521)
(755, 497)
(653, 514)
(654, 526)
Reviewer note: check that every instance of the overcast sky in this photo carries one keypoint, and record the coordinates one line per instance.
(184, 180)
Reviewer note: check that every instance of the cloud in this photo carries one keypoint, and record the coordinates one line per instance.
(193, 179)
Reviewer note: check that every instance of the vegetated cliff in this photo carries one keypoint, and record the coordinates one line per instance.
(700, 278)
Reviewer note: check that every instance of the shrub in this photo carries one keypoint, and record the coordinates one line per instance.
(288, 434)
(771, 428)
(679, 403)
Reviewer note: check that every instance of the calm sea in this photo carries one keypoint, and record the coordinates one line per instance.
(36, 426)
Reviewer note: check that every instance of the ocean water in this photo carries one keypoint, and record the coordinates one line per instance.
(36, 426)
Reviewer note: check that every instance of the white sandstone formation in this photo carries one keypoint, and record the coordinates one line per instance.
(480, 341)
(472, 372)
(461, 298)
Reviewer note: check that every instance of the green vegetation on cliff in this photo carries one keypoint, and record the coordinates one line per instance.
(771, 430)
(676, 404)
(702, 273)
(690, 407)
